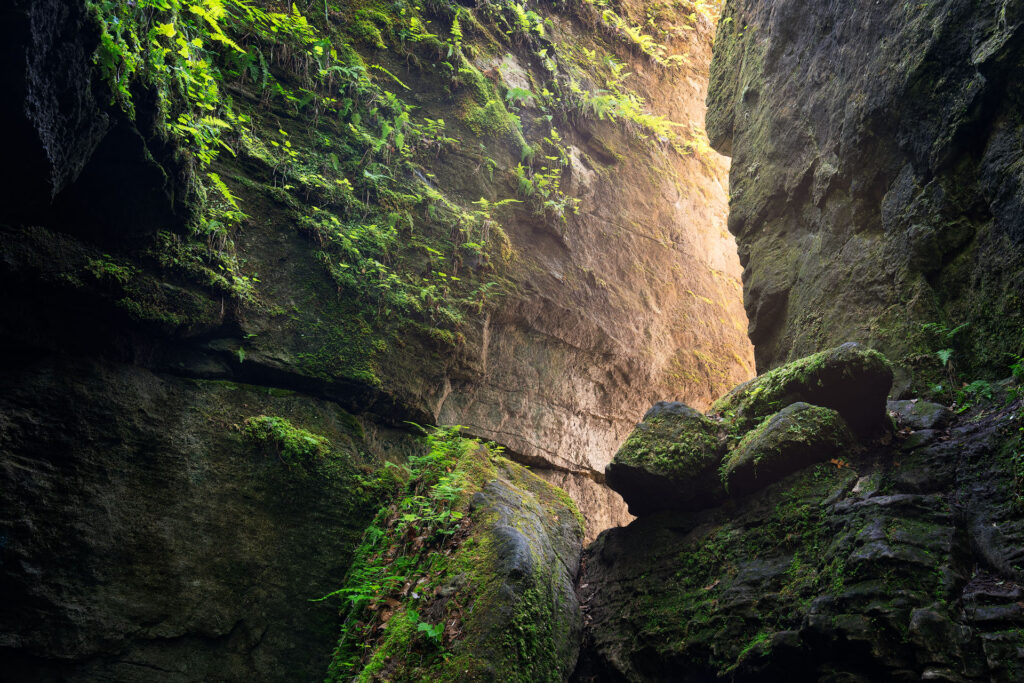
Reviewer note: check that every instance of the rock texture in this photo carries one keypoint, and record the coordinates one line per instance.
(796, 437)
(851, 379)
(898, 560)
(875, 182)
(500, 587)
(145, 538)
(761, 431)
(669, 462)
(635, 298)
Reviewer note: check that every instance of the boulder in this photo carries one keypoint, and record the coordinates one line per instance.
(486, 595)
(669, 462)
(851, 379)
(794, 438)
(919, 415)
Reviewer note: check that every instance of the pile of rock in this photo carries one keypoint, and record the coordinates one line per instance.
(812, 410)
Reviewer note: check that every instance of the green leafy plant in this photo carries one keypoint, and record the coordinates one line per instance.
(945, 341)
(1017, 372)
(970, 394)
(401, 552)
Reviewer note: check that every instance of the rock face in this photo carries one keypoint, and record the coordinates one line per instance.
(497, 587)
(875, 182)
(669, 462)
(897, 560)
(145, 537)
(583, 319)
(483, 225)
(850, 379)
(796, 437)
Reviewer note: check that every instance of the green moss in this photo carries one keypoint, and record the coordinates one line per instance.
(676, 445)
(794, 438)
(430, 540)
(300, 449)
(492, 120)
(684, 614)
(824, 377)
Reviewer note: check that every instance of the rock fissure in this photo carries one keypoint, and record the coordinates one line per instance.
(248, 248)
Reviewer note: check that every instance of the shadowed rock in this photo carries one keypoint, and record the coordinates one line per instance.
(796, 437)
(670, 461)
(920, 414)
(851, 379)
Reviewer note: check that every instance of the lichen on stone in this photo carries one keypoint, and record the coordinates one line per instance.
(796, 437)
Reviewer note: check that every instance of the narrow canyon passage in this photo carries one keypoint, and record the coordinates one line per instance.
(391, 341)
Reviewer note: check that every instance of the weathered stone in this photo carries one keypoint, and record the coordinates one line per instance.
(796, 437)
(875, 181)
(917, 414)
(850, 379)
(892, 566)
(670, 461)
(919, 438)
(505, 600)
(144, 537)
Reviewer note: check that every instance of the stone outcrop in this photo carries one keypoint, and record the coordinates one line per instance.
(875, 182)
(633, 298)
(851, 379)
(760, 432)
(669, 462)
(145, 537)
(499, 589)
(895, 559)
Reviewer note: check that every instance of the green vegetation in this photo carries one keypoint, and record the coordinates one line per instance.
(678, 446)
(420, 599)
(945, 343)
(404, 550)
(319, 124)
(294, 445)
(684, 613)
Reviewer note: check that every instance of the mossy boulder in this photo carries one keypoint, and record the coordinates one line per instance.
(468, 577)
(669, 462)
(918, 415)
(796, 437)
(850, 379)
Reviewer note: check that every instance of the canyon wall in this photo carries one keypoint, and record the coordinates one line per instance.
(876, 181)
(875, 197)
(334, 223)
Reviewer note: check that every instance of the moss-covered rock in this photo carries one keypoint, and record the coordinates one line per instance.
(670, 461)
(850, 379)
(885, 566)
(875, 188)
(468, 577)
(917, 414)
(147, 536)
(796, 437)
